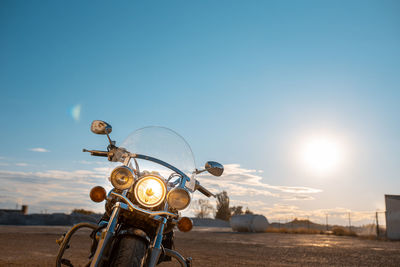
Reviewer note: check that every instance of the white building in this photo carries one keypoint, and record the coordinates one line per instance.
(393, 216)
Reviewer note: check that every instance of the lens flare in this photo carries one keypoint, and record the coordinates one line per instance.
(75, 112)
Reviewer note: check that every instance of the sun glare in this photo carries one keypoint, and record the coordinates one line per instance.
(322, 154)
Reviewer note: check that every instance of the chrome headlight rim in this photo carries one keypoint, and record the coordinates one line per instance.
(175, 190)
(150, 177)
(128, 171)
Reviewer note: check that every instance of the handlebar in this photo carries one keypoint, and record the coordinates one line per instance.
(110, 155)
(97, 153)
(203, 190)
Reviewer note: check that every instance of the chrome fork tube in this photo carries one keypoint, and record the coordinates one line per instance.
(155, 250)
(106, 236)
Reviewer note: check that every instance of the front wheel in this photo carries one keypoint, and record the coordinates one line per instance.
(130, 252)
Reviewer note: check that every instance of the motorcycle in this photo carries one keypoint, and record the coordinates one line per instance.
(143, 207)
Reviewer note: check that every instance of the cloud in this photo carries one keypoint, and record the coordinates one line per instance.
(73, 186)
(238, 181)
(299, 197)
(78, 175)
(61, 191)
(45, 190)
(246, 188)
(86, 162)
(21, 164)
(39, 149)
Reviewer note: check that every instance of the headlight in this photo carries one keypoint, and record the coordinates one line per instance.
(122, 177)
(150, 191)
(178, 198)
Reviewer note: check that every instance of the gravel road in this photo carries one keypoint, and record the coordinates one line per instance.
(35, 246)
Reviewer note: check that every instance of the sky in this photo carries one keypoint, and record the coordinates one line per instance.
(250, 84)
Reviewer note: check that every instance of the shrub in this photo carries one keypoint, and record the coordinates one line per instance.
(82, 211)
(341, 231)
(293, 231)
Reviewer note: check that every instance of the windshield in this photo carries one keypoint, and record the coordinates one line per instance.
(164, 144)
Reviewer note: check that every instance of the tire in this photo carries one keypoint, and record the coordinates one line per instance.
(130, 252)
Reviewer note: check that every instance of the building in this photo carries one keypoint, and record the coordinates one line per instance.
(23, 210)
(392, 216)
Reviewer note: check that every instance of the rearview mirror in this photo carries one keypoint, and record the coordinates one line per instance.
(100, 127)
(214, 168)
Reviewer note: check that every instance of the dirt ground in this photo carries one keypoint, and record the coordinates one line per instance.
(36, 246)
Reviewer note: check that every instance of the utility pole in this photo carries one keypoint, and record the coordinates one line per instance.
(349, 222)
(326, 220)
(377, 225)
(308, 222)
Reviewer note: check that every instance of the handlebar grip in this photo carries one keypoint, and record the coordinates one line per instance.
(97, 153)
(204, 191)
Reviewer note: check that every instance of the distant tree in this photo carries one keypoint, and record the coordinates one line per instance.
(236, 210)
(248, 211)
(223, 212)
(203, 208)
(83, 211)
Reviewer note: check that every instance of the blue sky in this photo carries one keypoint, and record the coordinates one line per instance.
(245, 82)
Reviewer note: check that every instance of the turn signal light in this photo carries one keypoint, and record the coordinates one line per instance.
(98, 194)
(185, 224)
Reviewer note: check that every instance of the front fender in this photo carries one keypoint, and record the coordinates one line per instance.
(135, 232)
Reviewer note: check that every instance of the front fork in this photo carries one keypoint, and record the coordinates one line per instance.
(106, 236)
(155, 249)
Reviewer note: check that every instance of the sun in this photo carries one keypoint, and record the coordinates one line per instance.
(322, 154)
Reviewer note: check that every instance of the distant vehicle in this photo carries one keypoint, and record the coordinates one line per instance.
(143, 207)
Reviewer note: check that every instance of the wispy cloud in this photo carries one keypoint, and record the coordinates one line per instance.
(246, 188)
(39, 149)
(239, 181)
(46, 189)
(61, 191)
(21, 164)
(86, 162)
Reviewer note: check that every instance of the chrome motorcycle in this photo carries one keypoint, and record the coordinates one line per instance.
(142, 208)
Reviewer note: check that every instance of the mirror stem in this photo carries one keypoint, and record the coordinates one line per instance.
(109, 139)
(199, 171)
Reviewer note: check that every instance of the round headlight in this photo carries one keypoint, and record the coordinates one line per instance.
(150, 191)
(178, 198)
(122, 177)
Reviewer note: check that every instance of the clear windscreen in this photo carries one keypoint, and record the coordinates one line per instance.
(163, 144)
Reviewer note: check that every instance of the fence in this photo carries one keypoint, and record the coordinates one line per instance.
(361, 223)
